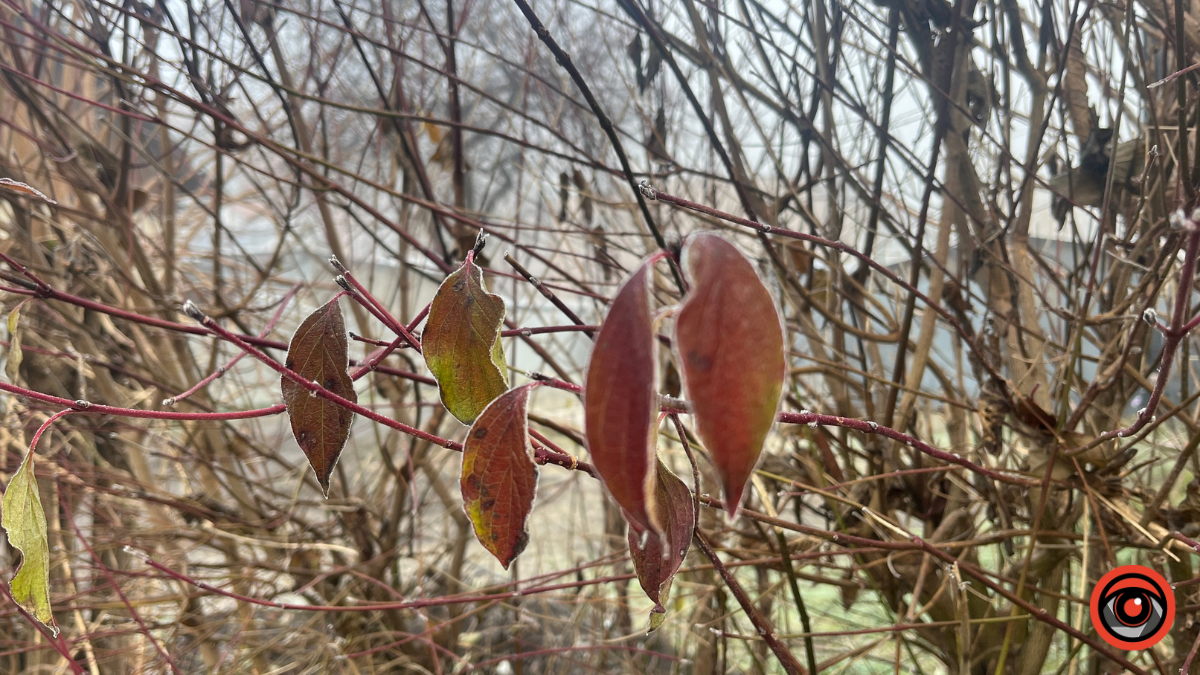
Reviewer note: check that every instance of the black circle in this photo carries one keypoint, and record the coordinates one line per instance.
(1132, 626)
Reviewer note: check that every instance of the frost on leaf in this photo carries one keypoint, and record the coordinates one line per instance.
(25, 522)
(461, 343)
(499, 476)
(10, 185)
(619, 400)
(730, 347)
(657, 558)
(319, 353)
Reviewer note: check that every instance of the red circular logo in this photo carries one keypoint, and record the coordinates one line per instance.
(1132, 607)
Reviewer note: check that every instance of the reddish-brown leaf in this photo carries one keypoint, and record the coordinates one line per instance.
(656, 558)
(499, 476)
(20, 188)
(730, 343)
(619, 400)
(461, 343)
(318, 352)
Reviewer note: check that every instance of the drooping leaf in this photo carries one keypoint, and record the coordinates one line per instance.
(656, 558)
(319, 353)
(462, 345)
(499, 476)
(1075, 89)
(12, 366)
(25, 522)
(730, 344)
(619, 400)
(653, 65)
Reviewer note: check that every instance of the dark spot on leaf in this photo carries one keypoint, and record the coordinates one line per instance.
(329, 384)
(481, 433)
(521, 543)
(699, 361)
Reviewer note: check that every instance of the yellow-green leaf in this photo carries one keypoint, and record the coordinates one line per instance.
(25, 523)
(461, 343)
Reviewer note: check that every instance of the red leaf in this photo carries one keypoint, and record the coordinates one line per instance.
(318, 352)
(499, 477)
(656, 559)
(619, 400)
(730, 343)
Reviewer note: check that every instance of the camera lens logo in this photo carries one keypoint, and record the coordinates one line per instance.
(1132, 607)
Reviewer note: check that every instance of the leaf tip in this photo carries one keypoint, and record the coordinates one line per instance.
(733, 499)
(518, 547)
(658, 616)
(324, 481)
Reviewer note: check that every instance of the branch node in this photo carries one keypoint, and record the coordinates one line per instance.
(648, 190)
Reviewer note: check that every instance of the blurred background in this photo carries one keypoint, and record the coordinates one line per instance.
(1015, 160)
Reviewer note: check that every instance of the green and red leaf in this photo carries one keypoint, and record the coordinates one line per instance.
(731, 352)
(319, 353)
(619, 400)
(657, 558)
(499, 476)
(462, 345)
